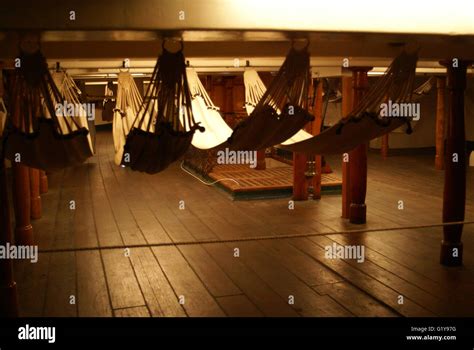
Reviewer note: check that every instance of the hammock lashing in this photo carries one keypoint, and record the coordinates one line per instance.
(109, 103)
(281, 112)
(207, 114)
(364, 123)
(254, 91)
(39, 135)
(126, 110)
(158, 137)
(70, 91)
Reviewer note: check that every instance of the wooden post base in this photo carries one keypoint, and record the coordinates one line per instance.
(358, 213)
(451, 253)
(9, 300)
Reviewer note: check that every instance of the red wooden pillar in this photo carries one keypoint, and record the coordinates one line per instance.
(43, 182)
(35, 200)
(440, 122)
(346, 109)
(300, 186)
(316, 129)
(454, 197)
(358, 156)
(22, 204)
(261, 160)
(8, 290)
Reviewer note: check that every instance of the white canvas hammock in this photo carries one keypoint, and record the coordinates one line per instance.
(205, 112)
(70, 91)
(126, 110)
(254, 91)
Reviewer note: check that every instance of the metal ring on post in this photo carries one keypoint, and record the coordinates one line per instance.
(302, 49)
(180, 42)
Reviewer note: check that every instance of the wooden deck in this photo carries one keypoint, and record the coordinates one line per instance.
(118, 209)
(277, 176)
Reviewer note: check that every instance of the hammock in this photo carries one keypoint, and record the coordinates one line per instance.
(421, 91)
(126, 110)
(280, 113)
(70, 91)
(254, 91)
(207, 114)
(158, 137)
(364, 123)
(44, 137)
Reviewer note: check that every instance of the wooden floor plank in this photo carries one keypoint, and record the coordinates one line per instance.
(264, 298)
(216, 281)
(61, 286)
(304, 300)
(92, 294)
(238, 306)
(197, 299)
(159, 295)
(139, 311)
(123, 286)
(32, 279)
(361, 280)
(354, 300)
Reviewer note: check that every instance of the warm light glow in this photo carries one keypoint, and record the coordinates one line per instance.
(402, 16)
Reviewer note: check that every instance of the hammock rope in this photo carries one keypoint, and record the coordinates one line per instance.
(254, 91)
(127, 106)
(275, 237)
(159, 135)
(364, 123)
(421, 91)
(43, 136)
(282, 110)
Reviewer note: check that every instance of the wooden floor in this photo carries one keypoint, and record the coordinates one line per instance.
(118, 209)
(277, 176)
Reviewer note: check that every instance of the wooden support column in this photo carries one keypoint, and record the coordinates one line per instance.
(8, 290)
(358, 156)
(316, 129)
(440, 122)
(43, 182)
(300, 185)
(35, 200)
(261, 160)
(346, 109)
(22, 204)
(454, 197)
